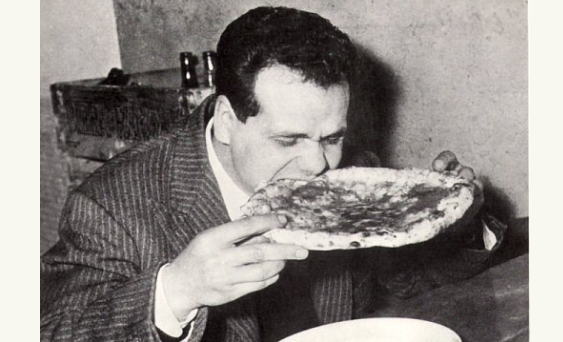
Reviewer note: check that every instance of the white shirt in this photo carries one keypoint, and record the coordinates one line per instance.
(234, 198)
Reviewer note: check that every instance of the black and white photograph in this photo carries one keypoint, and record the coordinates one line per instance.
(284, 171)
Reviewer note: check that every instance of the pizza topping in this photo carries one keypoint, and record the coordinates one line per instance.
(364, 206)
(322, 208)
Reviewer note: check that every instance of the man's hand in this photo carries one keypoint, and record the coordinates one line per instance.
(227, 262)
(447, 161)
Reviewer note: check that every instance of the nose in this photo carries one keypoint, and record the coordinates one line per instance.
(313, 162)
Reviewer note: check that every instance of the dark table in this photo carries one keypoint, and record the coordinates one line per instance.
(492, 306)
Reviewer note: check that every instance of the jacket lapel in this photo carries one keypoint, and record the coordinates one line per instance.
(196, 203)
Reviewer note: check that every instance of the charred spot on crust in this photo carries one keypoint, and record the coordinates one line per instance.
(355, 244)
(457, 186)
(437, 213)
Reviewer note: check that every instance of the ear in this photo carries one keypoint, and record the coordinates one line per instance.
(224, 120)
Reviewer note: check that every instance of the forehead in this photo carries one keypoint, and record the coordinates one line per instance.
(288, 103)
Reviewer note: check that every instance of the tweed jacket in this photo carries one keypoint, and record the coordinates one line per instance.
(143, 207)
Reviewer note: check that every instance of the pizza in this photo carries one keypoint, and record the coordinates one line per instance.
(359, 207)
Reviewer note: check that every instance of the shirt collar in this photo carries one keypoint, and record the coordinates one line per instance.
(233, 196)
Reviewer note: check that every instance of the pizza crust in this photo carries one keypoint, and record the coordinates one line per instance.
(305, 227)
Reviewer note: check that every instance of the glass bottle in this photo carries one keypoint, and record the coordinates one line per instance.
(189, 77)
(209, 58)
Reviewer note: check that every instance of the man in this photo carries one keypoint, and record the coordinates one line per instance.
(153, 247)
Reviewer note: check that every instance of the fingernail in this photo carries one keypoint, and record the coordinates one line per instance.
(302, 253)
(282, 219)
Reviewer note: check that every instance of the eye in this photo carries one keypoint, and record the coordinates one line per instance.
(333, 140)
(286, 142)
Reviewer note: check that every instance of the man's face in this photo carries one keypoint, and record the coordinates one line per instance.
(298, 132)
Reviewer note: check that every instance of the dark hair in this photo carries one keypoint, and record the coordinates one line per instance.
(264, 36)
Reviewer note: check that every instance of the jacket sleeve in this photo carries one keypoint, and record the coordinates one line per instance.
(94, 286)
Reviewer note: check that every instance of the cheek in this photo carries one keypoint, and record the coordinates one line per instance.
(333, 156)
(266, 159)
(256, 162)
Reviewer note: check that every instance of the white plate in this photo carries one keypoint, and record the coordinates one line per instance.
(378, 330)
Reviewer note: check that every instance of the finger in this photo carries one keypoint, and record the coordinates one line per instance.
(458, 167)
(254, 240)
(446, 160)
(238, 230)
(478, 193)
(479, 185)
(256, 272)
(257, 253)
(243, 289)
(466, 172)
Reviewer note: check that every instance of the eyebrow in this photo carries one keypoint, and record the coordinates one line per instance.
(340, 133)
